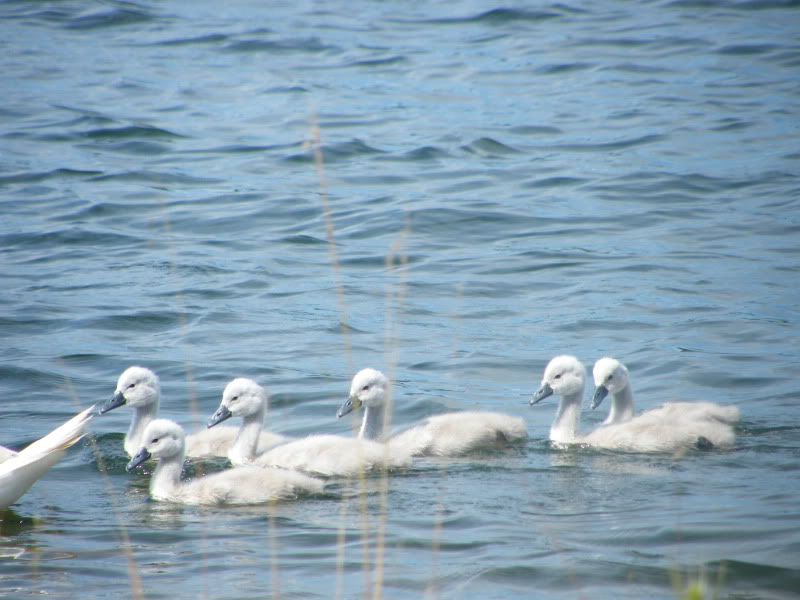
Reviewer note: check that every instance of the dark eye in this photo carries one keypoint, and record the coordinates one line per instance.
(234, 399)
(133, 385)
(609, 378)
(365, 388)
(558, 376)
(154, 441)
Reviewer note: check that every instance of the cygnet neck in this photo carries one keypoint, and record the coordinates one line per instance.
(141, 419)
(565, 426)
(373, 422)
(167, 476)
(621, 406)
(245, 446)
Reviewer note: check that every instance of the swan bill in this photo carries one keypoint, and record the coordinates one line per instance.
(599, 394)
(115, 402)
(542, 393)
(222, 414)
(346, 408)
(141, 456)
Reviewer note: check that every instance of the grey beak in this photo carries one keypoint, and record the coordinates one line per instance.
(141, 456)
(542, 393)
(345, 409)
(219, 416)
(600, 393)
(115, 402)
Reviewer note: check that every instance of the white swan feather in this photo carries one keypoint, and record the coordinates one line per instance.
(20, 470)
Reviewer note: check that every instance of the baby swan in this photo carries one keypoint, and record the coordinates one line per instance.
(565, 376)
(612, 377)
(327, 455)
(165, 441)
(246, 399)
(450, 434)
(20, 470)
(139, 388)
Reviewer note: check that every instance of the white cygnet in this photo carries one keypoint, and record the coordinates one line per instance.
(565, 376)
(165, 441)
(245, 399)
(324, 454)
(612, 377)
(139, 388)
(450, 434)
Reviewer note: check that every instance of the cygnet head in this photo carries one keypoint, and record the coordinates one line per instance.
(242, 398)
(610, 375)
(136, 387)
(368, 388)
(564, 376)
(163, 439)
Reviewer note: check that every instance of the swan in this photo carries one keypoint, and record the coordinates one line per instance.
(565, 376)
(322, 454)
(165, 440)
(450, 434)
(20, 470)
(139, 388)
(244, 398)
(612, 377)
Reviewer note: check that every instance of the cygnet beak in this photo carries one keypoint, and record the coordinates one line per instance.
(600, 393)
(219, 416)
(141, 456)
(346, 408)
(115, 402)
(542, 393)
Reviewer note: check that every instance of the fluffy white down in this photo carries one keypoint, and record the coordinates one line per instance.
(450, 434)
(140, 388)
(648, 434)
(565, 377)
(334, 455)
(695, 411)
(20, 470)
(328, 455)
(612, 377)
(165, 441)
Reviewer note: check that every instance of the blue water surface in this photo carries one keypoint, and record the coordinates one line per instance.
(452, 192)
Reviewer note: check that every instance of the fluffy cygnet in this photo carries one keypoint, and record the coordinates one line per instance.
(165, 441)
(139, 388)
(565, 377)
(450, 434)
(324, 454)
(612, 377)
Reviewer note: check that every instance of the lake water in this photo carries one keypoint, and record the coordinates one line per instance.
(503, 183)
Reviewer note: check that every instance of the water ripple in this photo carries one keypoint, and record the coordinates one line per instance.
(503, 184)
(498, 16)
(113, 17)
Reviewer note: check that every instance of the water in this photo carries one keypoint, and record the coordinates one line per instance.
(506, 182)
